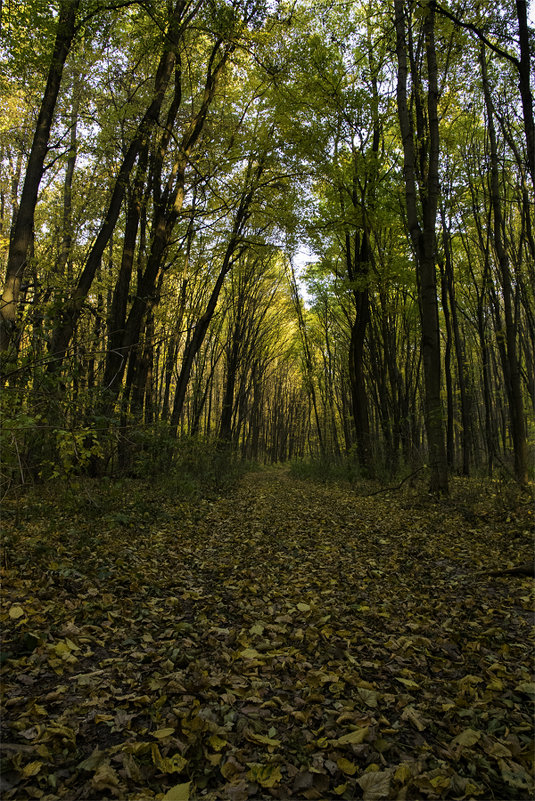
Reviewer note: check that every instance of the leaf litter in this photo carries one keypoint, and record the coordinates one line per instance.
(288, 640)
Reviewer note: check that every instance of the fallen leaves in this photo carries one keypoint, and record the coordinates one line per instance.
(287, 641)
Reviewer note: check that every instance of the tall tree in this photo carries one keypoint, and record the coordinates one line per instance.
(511, 365)
(420, 168)
(22, 231)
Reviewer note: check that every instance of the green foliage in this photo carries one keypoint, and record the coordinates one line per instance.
(75, 450)
(16, 425)
(189, 467)
(206, 466)
(327, 470)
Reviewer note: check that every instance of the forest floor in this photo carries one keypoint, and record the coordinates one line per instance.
(288, 640)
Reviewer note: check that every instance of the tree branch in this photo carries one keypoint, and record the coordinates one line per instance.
(469, 26)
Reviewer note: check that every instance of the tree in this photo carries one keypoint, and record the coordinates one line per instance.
(421, 162)
(22, 228)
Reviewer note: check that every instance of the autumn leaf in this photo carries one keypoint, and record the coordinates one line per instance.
(105, 777)
(180, 792)
(265, 775)
(354, 737)
(193, 666)
(263, 739)
(249, 653)
(467, 738)
(526, 688)
(410, 714)
(368, 696)
(161, 734)
(375, 784)
(409, 683)
(346, 766)
(31, 769)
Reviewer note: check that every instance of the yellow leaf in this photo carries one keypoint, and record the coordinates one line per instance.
(403, 773)
(258, 628)
(340, 789)
(265, 775)
(354, 737)
(31, 769)
(180, 792)
(440, 782)
(105, 777)
(368, 696)
(376, 785)
(261, 738)
(410, 714)
(346, 766)
(162, 733)
(230, 768)
(303, 607)
(172, 764)
(467, 738)
(216, 742)
(92, 762)
(249, 653)
(412, 685)
(16, 611)
(139, 747)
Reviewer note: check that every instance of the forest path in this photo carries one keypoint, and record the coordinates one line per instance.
(288, 640)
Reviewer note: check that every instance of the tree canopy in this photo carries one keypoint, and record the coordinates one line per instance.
(163, 165)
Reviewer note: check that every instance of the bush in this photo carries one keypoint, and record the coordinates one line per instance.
(323, 470)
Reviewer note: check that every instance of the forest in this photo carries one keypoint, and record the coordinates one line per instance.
(267, 341)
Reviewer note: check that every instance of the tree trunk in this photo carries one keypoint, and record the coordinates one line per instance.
(462, 368)
(64, 330)
(199, 332)
(450, 441)
(511, 362)
(422, 232)
(117, 319)
(525, 71)
(358, 271)
(22, 233)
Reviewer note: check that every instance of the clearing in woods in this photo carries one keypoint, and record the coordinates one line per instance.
(291, 639)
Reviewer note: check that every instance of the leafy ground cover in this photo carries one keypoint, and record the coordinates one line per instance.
(289, 640)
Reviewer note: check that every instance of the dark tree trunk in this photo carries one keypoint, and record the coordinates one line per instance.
(509, 351)
(422, 231)
(199, 332)
(22, 232)
(450, 441)
(117, 319)
(525, 71)
(64, 330)
(358, 272)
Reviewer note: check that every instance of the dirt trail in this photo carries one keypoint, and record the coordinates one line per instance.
(289, 640)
